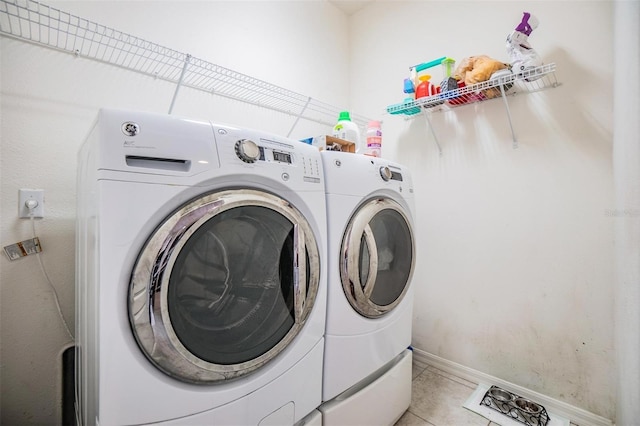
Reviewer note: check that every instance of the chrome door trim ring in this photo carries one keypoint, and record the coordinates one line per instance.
(357, 294)
(148, 307)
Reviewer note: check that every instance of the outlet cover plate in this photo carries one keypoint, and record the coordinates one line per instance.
(30, 194)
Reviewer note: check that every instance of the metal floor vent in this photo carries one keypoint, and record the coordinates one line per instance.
(515, 407)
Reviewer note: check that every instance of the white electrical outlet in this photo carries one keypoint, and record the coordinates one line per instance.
(31, 197)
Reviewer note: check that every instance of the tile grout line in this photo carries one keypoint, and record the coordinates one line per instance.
(461, 381)
(424, 420)
(450, 378)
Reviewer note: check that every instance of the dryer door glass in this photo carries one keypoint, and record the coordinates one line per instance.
(377, 257)
(234, 278)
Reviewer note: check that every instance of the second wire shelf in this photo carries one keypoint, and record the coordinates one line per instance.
(531, 80)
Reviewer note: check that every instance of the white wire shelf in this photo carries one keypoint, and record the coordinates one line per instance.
(531, 80)
(38, 23)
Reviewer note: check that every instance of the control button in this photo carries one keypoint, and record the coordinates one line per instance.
(385, 173)
(130, 128)
(285, 177)
(247, 150)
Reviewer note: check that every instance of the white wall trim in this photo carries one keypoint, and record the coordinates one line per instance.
(576, 415)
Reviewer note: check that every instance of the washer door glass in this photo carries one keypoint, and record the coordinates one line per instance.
(223, 285)
(377, 257)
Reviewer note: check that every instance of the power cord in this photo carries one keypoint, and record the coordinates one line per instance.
(31, 205)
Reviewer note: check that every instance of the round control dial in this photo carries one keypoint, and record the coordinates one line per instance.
(247, 150)
(385, 173)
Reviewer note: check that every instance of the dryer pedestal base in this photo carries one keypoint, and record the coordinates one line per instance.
(380, 399)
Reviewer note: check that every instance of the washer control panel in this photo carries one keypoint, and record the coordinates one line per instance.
(250, 152)
(396, 175)
(288, 159)
(268, 151)
(276, 155)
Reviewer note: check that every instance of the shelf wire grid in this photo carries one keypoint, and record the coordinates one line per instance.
(44, 25)
(531, 80)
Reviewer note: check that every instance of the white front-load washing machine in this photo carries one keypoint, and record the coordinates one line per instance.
(200, 257)
(371, 257)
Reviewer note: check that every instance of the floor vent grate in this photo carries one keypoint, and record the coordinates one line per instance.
(515, 407)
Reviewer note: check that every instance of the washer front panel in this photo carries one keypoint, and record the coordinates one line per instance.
(377, 257)
(224, 285)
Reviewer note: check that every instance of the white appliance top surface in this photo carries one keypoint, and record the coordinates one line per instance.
(361, 175)
(147, 147)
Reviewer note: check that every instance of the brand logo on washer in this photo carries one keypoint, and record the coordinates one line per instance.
(130, 128)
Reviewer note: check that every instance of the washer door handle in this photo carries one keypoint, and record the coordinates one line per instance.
(299, 272)
(178, 229)
(362, 228)
(373, 262)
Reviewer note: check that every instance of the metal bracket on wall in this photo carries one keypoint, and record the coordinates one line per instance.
(506, 105)
(304, 108)
(430, 126)
(175, 94)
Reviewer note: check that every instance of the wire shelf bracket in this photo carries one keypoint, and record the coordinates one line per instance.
(433, 132)
(175, 94)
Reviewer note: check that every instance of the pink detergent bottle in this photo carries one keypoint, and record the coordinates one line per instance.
(374, 139)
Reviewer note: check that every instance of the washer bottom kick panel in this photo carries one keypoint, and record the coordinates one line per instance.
(268, 406)
(348, 359)
(379, 400)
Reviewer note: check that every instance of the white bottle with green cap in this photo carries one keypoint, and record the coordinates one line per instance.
(347, 129)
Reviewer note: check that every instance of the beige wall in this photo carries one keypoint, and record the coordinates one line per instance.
(517, 269)
(48, 102)
(515, 274)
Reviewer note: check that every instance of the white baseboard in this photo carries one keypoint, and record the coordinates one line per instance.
(576, 415)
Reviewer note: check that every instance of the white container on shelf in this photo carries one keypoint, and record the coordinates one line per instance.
(347, 129)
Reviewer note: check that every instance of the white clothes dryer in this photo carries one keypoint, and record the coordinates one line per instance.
(200, 262)
(370, 217)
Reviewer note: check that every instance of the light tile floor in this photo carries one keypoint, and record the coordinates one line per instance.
(437, 398)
